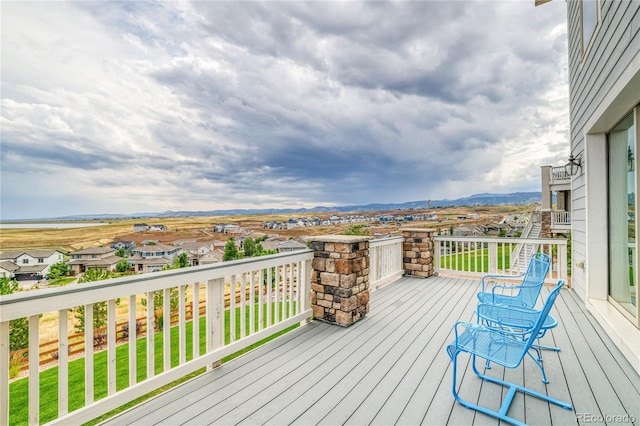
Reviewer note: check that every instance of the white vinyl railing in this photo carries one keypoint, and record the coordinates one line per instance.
(560, 175)
(385, 263)
(560, 217)
(264, 295)
(474, 257)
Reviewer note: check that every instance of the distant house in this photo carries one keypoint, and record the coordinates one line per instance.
(29, 265)
(290, 245)
(157, 251)
(464, 231)
(226, 228)
(95, 257)
(153, 264)
(128, 246)
(140, 227)
(8, 269)
(158, 227)
(199, 253)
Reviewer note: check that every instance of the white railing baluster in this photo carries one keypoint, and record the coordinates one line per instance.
(269, 296)
(243, 306)
(195, 320)
(63, 362)
(111, 346)
(291, 297)
(133, 335)
(166, 329)
(277, 296)
(299, 279)
(34, 370)
(150, 334)
(182, 324)
(252, 303)
(261, 309)
(232, 309)
(88, 354)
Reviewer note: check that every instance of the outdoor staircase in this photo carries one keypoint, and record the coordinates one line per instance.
(523, 252)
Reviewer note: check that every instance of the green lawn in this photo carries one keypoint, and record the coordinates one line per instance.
(467, 260)
(19, 389)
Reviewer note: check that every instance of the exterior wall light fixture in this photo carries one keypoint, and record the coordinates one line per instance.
(572, 166)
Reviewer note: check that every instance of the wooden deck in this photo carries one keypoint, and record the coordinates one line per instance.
(391, 368)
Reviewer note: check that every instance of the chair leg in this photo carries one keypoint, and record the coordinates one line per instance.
(504, 408)
(538, 362)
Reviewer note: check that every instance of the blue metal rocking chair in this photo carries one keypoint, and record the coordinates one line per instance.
(526, 292)
(504, 347)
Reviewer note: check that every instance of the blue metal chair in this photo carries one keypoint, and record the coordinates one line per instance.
(505, 347)
(515, 319)
(524, 294)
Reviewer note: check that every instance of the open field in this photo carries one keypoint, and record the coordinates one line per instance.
(200, 228)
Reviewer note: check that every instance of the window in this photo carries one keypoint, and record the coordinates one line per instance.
(25, 261)
(40, 260)
(590, 11)
(622, 215)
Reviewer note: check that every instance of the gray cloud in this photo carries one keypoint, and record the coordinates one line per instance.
(163, 105)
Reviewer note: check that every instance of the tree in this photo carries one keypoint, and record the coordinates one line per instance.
(182, 261)
(121, 252)
(249, 247)
(18, 328)
(123, 266)
(99, 309)
(58, 270)
(230, 250)
(158, 300)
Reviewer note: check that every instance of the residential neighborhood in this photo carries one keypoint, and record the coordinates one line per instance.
(148, 255)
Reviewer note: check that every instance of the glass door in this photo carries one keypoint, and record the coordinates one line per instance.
(622, 217)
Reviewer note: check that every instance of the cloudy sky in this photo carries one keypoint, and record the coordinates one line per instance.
(124, 107)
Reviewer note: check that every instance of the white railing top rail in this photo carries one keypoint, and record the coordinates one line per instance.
(24, 304)
(385, 241)
(556, 241)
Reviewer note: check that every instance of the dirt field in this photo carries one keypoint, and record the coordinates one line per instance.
(200, 228)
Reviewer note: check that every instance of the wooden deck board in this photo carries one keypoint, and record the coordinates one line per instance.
(392, 368)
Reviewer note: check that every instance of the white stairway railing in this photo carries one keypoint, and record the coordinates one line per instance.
(385, 257)
(267, 294)
(474, 257)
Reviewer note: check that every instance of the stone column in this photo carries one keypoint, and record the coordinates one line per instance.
(417, 251)
(545, 222)
(340, 278)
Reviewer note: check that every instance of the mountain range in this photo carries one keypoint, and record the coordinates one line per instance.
(485, 199)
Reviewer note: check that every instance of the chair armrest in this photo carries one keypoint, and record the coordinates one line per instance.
(496, 276)
(512, 318)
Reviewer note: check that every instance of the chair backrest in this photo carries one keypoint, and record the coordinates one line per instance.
(534, 279)
(544, 312)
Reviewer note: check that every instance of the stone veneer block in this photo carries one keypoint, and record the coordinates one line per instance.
(418, 249)
(340, 278)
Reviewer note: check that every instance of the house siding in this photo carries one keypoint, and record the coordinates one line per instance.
(604, 86)
(616, 41)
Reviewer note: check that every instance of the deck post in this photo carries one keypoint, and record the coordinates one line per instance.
(417, 251)
(340, 278)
